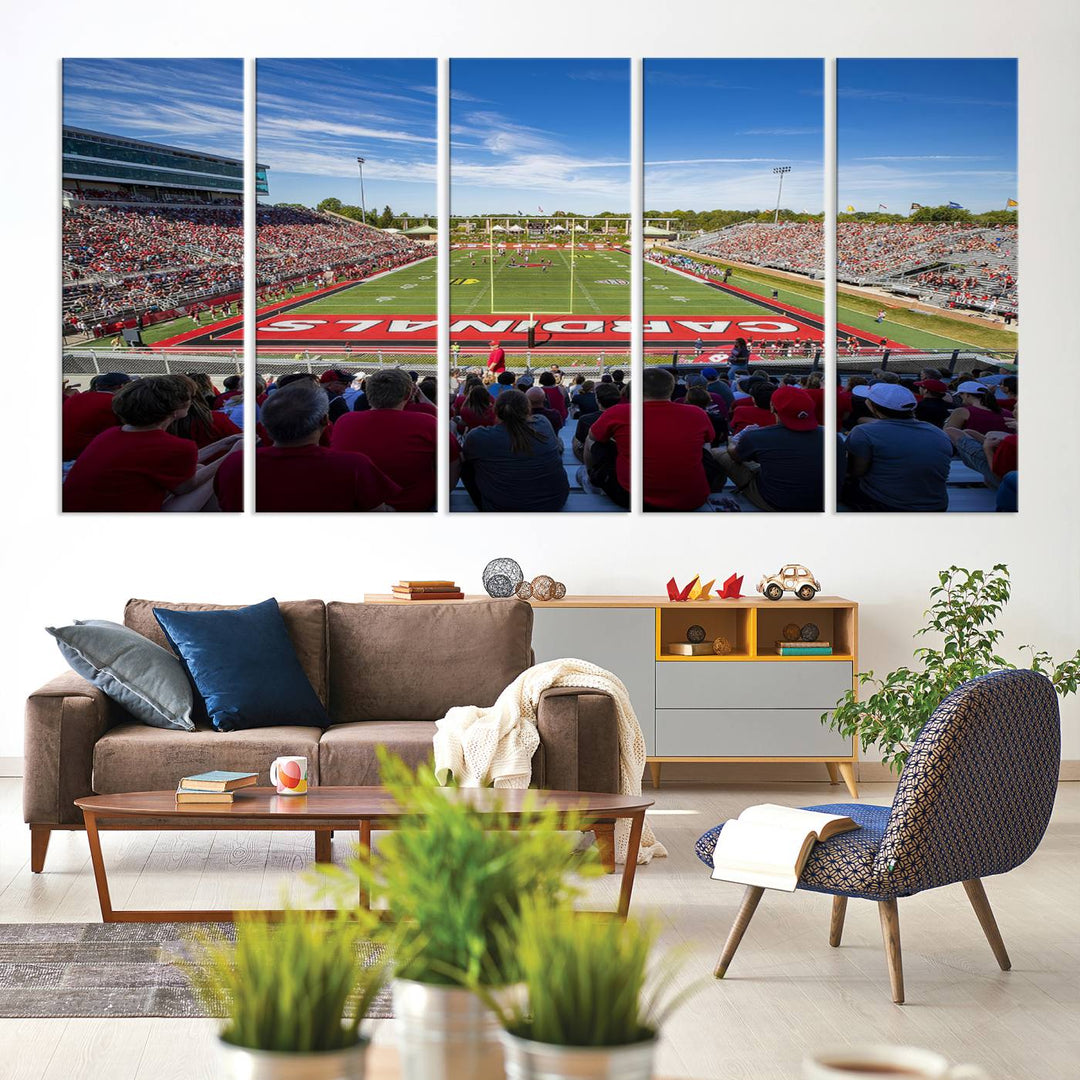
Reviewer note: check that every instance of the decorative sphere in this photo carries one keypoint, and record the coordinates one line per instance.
(695, 634)
(501, 577)
(543, 587)
(560, 590)
(791, 632)
(810, 632)
(721, 646)
(524, 590)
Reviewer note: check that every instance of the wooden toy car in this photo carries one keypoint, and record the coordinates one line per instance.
(791, 578)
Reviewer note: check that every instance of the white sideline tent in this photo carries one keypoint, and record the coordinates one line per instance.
(515, 228)
(497, 228)
(558, 228)
(580, 228)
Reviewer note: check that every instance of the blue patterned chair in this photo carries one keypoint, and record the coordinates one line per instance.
(974, 799)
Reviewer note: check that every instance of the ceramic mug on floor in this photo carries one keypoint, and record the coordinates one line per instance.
(289, 775)
(875, 1062)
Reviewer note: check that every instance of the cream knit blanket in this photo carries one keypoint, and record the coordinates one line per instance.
(495, 746)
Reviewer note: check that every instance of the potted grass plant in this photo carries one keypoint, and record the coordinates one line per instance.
(293, 993)
(452, 880)
(592, 1006)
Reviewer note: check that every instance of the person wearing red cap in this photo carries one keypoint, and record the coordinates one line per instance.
(335, 382)
(781, 467)
(496, 361)
(932, 406)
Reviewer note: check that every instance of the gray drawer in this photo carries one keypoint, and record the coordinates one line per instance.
(623, 640)
(761, 684)
(746, 733)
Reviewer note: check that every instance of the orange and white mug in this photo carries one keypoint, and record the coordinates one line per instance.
(289, 775)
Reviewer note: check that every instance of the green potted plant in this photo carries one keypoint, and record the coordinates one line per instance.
(452, 880)
(293, 993)
(964, 608)
(591, 1007)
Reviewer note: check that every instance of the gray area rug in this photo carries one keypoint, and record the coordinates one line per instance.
(108, 969)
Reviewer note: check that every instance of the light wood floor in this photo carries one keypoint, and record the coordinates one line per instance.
(786, 991)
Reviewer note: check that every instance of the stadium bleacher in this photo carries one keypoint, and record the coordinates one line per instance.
(947, 264)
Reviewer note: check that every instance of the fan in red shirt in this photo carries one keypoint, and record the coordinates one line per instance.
(137, 466)
(89, 414)
(234, 385)
(759, 413)
(496, 359)
(613, 426)
(296, 474)
(556, 398)
(675, 437)
(402, 444)
(477, 409)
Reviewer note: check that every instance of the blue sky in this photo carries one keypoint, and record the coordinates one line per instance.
(192, 104)
(715, 129)
(926, 131)
(539, 133)
(315, 117)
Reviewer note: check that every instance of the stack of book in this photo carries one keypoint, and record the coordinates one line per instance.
(427, 590)
(804, 648)
(213, 787)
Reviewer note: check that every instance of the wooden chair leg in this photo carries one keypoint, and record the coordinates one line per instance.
(39, 844)
(747, 908)
(605, 845)
(890, 933)
(836, 923)
(977, 895)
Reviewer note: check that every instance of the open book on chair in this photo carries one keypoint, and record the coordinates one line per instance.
(768, 845)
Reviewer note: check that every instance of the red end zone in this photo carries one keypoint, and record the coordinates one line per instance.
(403, 330)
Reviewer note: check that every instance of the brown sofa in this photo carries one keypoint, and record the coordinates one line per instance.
(385, 672)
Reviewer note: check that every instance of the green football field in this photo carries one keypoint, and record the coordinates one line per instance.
(412, 290)
(574, 282)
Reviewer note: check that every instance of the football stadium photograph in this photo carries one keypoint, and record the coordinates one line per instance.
(540, 285)
(152, 250)
(346, 328)
(733, 384)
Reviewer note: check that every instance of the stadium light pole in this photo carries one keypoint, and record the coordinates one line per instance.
(363, 205)
(781, 171)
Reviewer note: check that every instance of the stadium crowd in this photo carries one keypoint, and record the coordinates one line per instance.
(145, 445)
(901, 438)
(716, 426)
(121, 260)
(292, 243)
(951, 264)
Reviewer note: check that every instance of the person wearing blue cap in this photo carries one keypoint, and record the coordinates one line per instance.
(895, 462)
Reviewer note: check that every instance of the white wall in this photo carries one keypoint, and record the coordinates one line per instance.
(56, 569)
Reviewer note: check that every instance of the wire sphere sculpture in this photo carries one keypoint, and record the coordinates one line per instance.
(695, 634)
(721, 646)
(810, 632)
(543, 587)
(502, 577)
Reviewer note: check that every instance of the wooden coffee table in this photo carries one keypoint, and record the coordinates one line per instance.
(323, 810)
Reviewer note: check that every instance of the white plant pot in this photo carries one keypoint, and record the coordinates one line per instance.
(445, 1033)
(239, 1063)
(528, 1060)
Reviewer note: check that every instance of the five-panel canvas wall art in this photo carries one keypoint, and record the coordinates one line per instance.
(748, 402)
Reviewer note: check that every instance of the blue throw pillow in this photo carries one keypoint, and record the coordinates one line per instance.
(244, 666)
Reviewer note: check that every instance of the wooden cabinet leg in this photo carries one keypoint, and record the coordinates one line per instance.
(890, 934)
(605, 845)
(749, 904)
(654, 769)
(39, 844)
(323, 846)
(834, 772)
(847, 771)
(836, 923)
(977, 895)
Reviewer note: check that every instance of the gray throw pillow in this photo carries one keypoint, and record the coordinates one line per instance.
(144, 678)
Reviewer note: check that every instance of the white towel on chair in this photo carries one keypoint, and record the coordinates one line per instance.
(496, 745)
